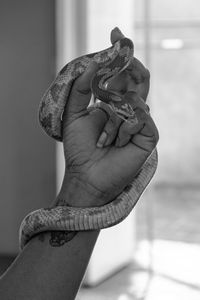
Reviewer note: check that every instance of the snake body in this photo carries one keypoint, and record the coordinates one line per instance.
(111, 62)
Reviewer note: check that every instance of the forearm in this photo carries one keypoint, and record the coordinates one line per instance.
(49, 268)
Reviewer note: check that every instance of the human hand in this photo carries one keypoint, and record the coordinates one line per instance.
(96, 173)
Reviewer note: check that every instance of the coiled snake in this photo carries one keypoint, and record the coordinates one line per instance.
(111, 61)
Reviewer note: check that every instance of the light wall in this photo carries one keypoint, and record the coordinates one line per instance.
(175, 89)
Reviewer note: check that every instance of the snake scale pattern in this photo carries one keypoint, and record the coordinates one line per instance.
(111, 62)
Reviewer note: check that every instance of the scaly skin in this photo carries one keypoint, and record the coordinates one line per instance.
(113, 61)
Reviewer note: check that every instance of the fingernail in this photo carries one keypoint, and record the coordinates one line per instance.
(107, 143)
(102, 140)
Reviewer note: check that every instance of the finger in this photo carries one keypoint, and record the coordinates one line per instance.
(111, 127)
(149, 127)
(81, 93)
(128, 129)
(148, 136)
(116, 35)
(126, 132)
(103, 106)
(135, 101)
(141, 76)
(110, 131)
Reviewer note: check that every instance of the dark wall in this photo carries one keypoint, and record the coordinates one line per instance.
(27, 155)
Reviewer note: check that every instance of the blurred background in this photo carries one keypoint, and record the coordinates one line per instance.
(155, 252)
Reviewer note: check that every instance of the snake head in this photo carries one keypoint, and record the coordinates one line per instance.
(116, 35)
(118, 59)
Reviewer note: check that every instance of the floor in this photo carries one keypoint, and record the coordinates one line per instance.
(171, 213)
(166, 264)
(175, 275)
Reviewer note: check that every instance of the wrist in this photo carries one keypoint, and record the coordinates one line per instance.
(77, 193)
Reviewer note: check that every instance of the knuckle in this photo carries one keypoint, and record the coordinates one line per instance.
(81, 85)
(141, 114)
(125, 128)
(81, 88)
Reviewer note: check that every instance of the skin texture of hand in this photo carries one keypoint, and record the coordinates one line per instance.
(97, 172)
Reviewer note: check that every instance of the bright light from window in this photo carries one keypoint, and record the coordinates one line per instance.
(172, 44)
(123, 297)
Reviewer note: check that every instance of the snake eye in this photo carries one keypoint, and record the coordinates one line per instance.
(123, 91)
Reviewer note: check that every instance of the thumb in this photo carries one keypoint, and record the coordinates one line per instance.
(81, 93)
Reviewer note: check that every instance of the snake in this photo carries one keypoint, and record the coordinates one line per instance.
(111, 61)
